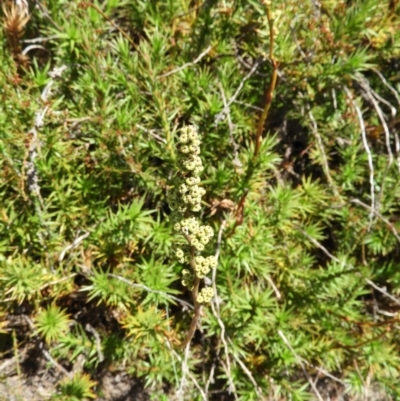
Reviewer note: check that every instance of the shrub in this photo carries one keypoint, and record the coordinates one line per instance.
(295, 104)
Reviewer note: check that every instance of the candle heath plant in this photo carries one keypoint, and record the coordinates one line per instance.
(185, 202)
(106, 232)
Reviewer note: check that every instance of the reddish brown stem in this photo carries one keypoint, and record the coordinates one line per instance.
(270, 91)
(196, 316)
(195, 293)
(268, 101)
(269, 94)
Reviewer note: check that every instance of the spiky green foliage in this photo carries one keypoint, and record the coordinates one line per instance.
(302, 191)
(51, 322)
(79, 387)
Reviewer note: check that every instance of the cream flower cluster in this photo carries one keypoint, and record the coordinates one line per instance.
(189, 149)
(197, 235)
(188, 193)
(203, 265)
(205, 295)
(184, 199)
(187, 279)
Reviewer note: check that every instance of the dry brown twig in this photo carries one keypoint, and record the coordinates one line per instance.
(182, 67)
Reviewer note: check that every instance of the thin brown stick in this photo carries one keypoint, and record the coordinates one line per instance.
(195, 61)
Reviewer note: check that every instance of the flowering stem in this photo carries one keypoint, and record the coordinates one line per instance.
(184, 200)
(196, 316)
(195, 293)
